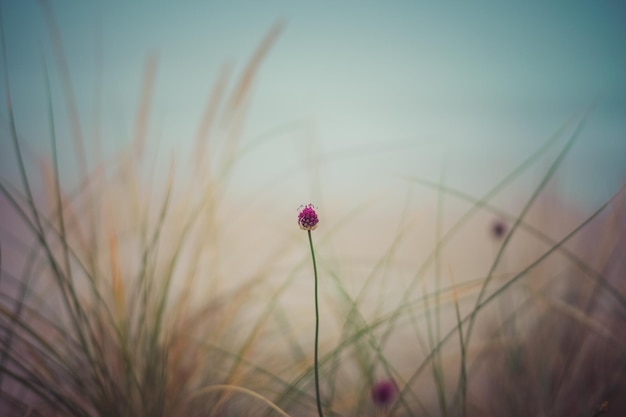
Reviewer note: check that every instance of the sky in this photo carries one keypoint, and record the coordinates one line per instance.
(378, 90)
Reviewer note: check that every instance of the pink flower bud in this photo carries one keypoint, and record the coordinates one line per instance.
(307, 219)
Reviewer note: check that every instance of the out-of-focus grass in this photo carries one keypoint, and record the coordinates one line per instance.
(125, 303)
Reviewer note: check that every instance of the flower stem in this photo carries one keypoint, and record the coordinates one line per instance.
(317, 330)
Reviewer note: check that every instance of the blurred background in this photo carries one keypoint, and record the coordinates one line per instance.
(342, 105)
(375, 90)
(367, 110)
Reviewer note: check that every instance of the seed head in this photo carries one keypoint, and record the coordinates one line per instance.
(307, 219)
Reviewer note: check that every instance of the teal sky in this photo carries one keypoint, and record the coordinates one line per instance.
(397, 85)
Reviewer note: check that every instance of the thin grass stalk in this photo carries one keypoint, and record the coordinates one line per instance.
(9, 192)
(317, 330)
(21, 298)
(614, 253)
(144, 283)
(365, 331)
(101, 360)
(69, 295)
(437, 365)
(63, 234)
(47, 354)
(360, 333)
(45, 345)
(64, 279)
(286, 328)
(423, 344)
(238, 100)
(354, 315)
(272, 303)
(549, 174)
(257, 368)
(463, 371)
(57, 181)
(506, 285)
(403, 230)
(221, 387)
(357, 323)
(518, 170)
(203, 137)
(49, 396)
(72, 108)
(535, 232)
(435, 362)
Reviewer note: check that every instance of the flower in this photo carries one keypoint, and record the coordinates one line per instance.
(307, 219)
(383, 392)
(498, 229)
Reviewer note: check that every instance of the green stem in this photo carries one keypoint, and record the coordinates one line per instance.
(317, 330)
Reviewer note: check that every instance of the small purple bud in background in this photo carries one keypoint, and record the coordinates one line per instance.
(383, 393)
(498, 229)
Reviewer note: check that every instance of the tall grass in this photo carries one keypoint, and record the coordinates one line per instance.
(120, 305)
